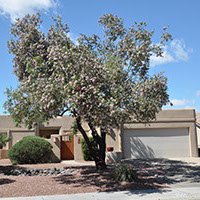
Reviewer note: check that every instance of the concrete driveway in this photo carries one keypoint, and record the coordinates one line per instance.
(174, 172)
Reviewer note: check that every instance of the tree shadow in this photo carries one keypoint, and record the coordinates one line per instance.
(7, 169)
(4, 181)
(165, 171)
(154, 174)
(102, 180)
(139, 149)
(12, 170)
(141, 193)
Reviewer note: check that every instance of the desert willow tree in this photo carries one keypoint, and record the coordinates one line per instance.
(101, 81)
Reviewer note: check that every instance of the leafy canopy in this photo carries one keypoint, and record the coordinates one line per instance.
(101, 80)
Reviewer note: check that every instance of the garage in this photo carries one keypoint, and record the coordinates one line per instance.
(156, 143)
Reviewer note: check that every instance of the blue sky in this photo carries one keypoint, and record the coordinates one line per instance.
(181, 61)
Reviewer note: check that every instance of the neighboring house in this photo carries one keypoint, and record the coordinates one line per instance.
(198, 129)
(172, 134)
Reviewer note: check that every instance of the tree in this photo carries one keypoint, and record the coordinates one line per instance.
(100, 81)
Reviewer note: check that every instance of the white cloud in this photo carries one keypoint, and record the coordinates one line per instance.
(183, 103)
(175, 52)
(190, 107)
(179, 50)
(19, 8)
(197, 108)
(193, 102)
(179, 102)
(198, 93)
(166, 58)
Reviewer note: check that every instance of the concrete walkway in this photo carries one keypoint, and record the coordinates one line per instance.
(187, 193)
(194, 161)
(78, 163)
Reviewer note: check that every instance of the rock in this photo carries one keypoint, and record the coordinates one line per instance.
(62, 169)
(36, 172)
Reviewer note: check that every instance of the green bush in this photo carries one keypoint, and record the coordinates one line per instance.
(85, 150)
(3, 140)
(124, 172)
(29, 150)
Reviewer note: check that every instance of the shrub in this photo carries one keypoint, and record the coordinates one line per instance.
(124, 172)
(31, 149)
(3, 140)
(85, 149)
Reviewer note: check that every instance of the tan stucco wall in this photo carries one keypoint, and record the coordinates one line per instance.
(64, 123)
(18, 135)
(55, 142)
(180, 118)
(183, 115)
(198, 135)
(15, 133)
(198, 128)
(114, 140)
(77, 147)
(7, 123)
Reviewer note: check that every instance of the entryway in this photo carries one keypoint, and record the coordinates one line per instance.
(67, 147)
(47, 132)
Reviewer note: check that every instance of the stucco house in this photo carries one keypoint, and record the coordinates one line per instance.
(172, 134)
(198, 129)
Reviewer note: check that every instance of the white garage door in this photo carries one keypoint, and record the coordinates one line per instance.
(156, 143)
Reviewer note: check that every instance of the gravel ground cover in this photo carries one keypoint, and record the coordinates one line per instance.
(78, 179)
(157, 173)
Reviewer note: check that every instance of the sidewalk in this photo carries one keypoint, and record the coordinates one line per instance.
(77, 163)
(186, 193)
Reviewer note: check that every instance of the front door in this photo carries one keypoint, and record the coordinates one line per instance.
(67, 147)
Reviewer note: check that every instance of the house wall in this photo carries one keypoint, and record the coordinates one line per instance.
(55, 142)
(7, 126)
(167, 119)
(198, 135)
(17, 135)
(77, 147)
(198, 128)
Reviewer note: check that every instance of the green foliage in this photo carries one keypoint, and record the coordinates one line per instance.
(29, 150)
(101, 81)
(85, 150)
(3, 140)
(74, 128)
(126, 173)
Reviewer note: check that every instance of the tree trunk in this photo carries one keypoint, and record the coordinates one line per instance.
(80, 128)
(102, 145)
(99, 159)
(103, 149)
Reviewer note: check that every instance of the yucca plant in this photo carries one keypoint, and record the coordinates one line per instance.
(123, 172)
